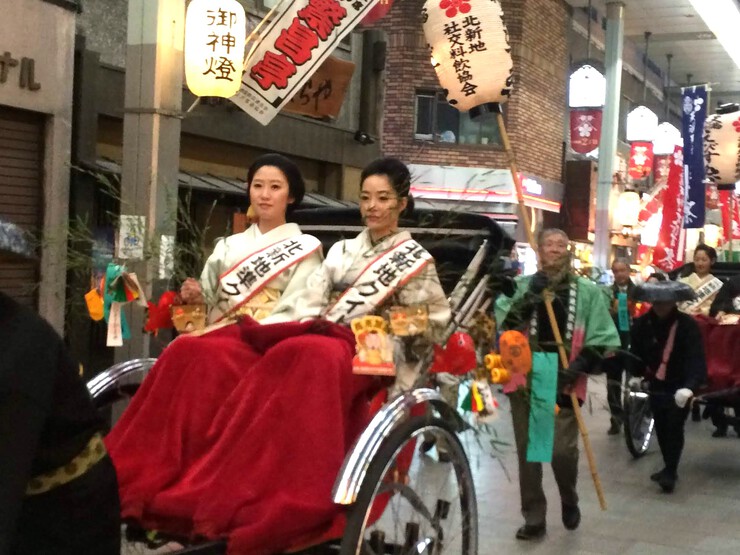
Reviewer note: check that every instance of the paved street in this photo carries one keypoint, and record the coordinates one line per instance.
(701, 516)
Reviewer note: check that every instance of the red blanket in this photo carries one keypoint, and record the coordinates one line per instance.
(722, 348)
(241, 433)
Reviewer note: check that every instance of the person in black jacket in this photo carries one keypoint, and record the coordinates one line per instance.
(669, 344)
(58, 488)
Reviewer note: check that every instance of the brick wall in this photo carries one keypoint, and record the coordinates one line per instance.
(536, 111)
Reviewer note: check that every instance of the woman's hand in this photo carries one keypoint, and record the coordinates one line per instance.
(191, 292)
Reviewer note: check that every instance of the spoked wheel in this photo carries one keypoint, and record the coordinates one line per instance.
(409, 503)
(638, 422)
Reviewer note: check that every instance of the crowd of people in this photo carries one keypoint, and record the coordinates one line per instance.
(170, 467)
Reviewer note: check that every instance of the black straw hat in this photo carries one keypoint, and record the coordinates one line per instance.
(13, 240)
(667, 291)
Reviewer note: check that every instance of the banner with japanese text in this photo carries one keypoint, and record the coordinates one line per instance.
(730, 223)
(668, 253)
(641, 159)
(694, 113)
(585, 129)
(292, 48)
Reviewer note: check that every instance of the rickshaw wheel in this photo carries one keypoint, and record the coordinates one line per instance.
(427, 507)
(638, 422)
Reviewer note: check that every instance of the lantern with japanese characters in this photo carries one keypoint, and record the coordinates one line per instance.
(722, 146)
(586, 96)
(215, 33)
(470, 52)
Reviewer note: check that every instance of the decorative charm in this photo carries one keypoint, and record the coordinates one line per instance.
(189, 317)
(408, 320)
(374, 347)
(457, 357)
(470, 52)
(516, 354)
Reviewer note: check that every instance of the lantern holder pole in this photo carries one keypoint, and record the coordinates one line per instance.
(548, 296)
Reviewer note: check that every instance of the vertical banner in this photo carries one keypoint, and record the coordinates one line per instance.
(542, 407)
(730, 223)
(585, 129)
(694, 113)
(641, 159)
(668, 253)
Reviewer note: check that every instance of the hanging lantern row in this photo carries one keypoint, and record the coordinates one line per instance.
(470, 52)
(722, 146)
(667, 137)
(586, 97)
(642, 124)
(215, 33)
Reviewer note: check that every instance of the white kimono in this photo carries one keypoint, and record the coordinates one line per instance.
(278, 298)
(346, 261)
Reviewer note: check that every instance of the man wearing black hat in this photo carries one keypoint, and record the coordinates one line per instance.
(58, 488)
(669, 345)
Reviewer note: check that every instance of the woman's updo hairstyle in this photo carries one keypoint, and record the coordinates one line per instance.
(296, 185)
(709, 251)
(398, 175)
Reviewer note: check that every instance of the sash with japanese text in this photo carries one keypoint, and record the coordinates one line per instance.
(702, 294)
(249, 276)
(293, 46)
(694, 113)
(668, 253)
(379, 280)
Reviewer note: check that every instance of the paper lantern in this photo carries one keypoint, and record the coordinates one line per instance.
(628, 209)
(215, 33)
(586, 88)
(722, 146)
(667, 136)
(470, 51)
(711, 235)
(642, 124)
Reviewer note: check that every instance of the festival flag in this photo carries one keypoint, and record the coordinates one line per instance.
(668, 253)
(585, 129)
(727, 222)
(694, 108)
(641, 159)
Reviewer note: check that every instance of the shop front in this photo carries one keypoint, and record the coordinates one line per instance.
(35, 135)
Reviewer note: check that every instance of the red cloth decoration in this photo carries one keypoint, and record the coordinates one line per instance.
(159, 316)
(240, 433)
(668, 254)
(585, 129)
(730, 224)
(722, 351)
(641, 159)
(457, 357)
(661, 167)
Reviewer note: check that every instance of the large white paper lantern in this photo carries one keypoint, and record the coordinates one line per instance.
(628, 209)
(642, 124)
(667, 137)
(470, 51)
(587, 88)
(722, 146)
(215, 33)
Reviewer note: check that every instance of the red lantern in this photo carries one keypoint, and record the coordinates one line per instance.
(585, 129)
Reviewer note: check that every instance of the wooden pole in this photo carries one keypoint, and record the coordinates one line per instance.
(550, 312)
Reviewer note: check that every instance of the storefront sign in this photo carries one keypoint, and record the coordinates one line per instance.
(26, 70)
(482, 185)
(323, 94)
(292, 48)
(668, 253)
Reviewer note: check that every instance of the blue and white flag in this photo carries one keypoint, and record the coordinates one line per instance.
(694, 112)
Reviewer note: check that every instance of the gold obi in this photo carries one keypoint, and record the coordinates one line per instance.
(261, 305)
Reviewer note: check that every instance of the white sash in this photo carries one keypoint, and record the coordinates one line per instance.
(389, 271)
(249, 276)
(702, 294)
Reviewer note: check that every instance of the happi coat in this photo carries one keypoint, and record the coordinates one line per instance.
(248, 446)
(589, 324)
(278, 297)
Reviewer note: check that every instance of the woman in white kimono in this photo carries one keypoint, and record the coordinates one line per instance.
(261, 271)
(702, 282)
(272, 428)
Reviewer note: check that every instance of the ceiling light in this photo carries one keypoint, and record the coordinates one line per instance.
(723, 19)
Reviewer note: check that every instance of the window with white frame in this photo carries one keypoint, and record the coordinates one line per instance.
(435, 120)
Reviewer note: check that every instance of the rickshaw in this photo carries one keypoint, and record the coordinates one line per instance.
(397, 500)
(722, 389)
